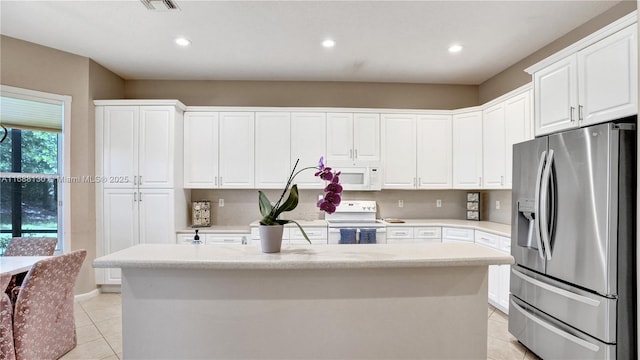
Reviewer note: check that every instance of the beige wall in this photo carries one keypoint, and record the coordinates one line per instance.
(515, 76)
(30, 66)
(306, 94)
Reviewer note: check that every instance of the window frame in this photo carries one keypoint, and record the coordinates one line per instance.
(64, 156)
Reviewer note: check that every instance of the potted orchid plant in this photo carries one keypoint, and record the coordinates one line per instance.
(271, 226)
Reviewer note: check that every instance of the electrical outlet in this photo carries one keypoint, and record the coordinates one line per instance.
(438, 203)
(400, 203)
(220, 202)
(497, 205)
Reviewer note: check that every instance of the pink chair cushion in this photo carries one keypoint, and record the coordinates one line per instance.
(43, 322)
(31, 246)
(7, 350)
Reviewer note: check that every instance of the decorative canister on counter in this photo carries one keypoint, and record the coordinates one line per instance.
(201, 213)
(473, 205)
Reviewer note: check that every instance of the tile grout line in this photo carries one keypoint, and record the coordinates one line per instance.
(100, 331)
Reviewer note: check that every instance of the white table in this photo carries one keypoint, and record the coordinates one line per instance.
(18, 264)
(307, 302)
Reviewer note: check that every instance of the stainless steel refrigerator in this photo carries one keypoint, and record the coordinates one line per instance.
(573, 239)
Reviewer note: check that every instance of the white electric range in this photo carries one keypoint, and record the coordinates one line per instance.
(353, 222)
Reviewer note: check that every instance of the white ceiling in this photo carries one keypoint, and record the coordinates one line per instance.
(377, 41)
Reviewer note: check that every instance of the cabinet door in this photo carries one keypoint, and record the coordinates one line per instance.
(156, 216)
(236, 150)
(339, 137)
(366, 137)
(493, 140)
(308, 143)
(120, 145)
(273, 149)
(494, 284)
(399, 151)
(467, 150)
(434, 148)
(201, 150)
(156, 147)
(119, 225)
(607, 78)
(517, 128)
(556, 97)
(504, 274)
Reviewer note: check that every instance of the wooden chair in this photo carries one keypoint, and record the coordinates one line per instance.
(43, 318)
(31, 246)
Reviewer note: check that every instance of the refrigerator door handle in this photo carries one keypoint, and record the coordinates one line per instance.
(574, 339)
(562, 292)
(544, 202)
(536, 206)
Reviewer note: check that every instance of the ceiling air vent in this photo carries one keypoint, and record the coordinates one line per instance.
(160, 5)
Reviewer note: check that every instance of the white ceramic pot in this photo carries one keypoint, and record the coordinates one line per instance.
(271, 238)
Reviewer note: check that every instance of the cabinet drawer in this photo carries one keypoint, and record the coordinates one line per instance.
(313, 233)
(488, 240)
(216, 239)
(505, 244)
(185, 238)
(399, 233)
(430, 232)
(457, 234)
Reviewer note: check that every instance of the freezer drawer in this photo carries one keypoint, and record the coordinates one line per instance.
(550, 339)
(588, 312)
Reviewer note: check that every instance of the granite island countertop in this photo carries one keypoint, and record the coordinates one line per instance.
(357, 256)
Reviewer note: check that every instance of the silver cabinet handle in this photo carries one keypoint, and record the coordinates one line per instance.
(414, 182)
(140, 197)
(501, 180)
(140, 180)
(419, 181)
(135, 180)
(356, 153)
(216, 180)
(135, 196)
(350, 153)
(571, 110)
(580, 107)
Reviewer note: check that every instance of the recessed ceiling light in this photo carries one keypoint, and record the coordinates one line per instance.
(455, 48)
(328, 43)
(183, 41)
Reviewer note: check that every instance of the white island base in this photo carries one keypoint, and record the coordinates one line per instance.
(425, 301)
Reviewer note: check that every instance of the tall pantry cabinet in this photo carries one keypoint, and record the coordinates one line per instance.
(139, 194)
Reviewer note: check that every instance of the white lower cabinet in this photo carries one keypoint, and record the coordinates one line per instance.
(215, 239)
(131, 217)
(415, 234)
(498, 274)
(318, 235)
(451, 234)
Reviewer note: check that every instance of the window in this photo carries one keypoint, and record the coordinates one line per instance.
(32, 165)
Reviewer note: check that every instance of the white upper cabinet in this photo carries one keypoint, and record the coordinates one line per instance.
(608, 78)
(352, 137)
(273, 149)
(467, 150)
(556, 94)
(399, 151)
(434, 152)
(236, 148)
(308, 143)
(416, 151)
(139, 146)
(493, 147)
(596, 84)
(201, 150)
(517, 128)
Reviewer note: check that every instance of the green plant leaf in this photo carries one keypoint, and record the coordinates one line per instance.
(302, 230)
(290, 203)
(265, 205)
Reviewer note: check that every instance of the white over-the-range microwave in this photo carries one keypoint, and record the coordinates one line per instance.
(360, 177)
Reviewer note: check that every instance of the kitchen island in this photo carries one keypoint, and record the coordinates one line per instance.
(307, 302)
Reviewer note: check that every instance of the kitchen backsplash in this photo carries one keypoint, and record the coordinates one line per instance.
(241, 206)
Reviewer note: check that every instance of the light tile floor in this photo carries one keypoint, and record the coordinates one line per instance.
(99, 329)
